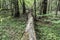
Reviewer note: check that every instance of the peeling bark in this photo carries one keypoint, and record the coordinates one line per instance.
(29, 31)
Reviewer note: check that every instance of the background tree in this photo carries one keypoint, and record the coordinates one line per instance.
(44, 3)
(59, 5)
(16, 6)
(0, 3)
(35, 8)
(24, 8)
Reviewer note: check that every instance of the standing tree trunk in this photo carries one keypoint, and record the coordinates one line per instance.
(48, 5)
(58, 5)
(0, 3)
(16, 6)
(24, 8)
(11, 7)
(44, 3)
(35, 9)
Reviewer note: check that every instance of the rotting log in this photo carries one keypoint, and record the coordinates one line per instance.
(29, 33)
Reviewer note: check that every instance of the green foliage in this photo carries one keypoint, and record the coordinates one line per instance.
(10, 28)
(45, 32)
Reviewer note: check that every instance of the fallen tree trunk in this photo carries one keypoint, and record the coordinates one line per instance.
(29, 33)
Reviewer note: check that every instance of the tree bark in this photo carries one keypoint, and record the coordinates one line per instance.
(24, 8)
(0, 3)
(44, 3)
(16, 6)
(29, 31)
(35, 9)
(58, 5)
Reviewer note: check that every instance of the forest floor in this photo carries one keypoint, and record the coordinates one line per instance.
(13, 29)
(47, 31)
(47, 28)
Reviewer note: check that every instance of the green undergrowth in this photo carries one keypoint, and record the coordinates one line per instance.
(47, 32)
(11, 28)
(49, 29)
